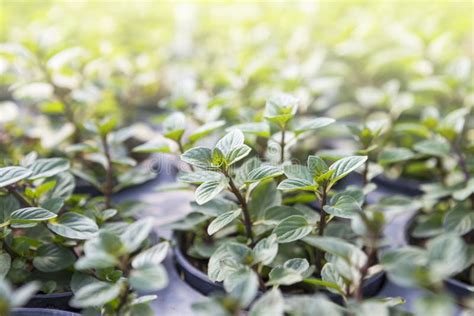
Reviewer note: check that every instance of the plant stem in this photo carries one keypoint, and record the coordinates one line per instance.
(108, 173)
(321, 227)
(243, 204)
(359, 293)
(282, 145)
(442, 172)
(365, 173)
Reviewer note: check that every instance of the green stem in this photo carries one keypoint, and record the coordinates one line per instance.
(321, 227)
(243, 203)
(19, 197)
(282, 145)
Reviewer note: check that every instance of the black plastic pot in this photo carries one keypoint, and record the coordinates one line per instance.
(199, 281)
(40, 312)
(457, 288)
(55, 301)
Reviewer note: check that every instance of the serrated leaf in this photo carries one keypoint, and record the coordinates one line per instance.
(265, 250)
(237, 154)
(393, 155)
(96, 294)
(199, 156)
(210, 189)
(222, 220)
(51, 258)
(338, 247)
(280, 109)
(174, 126)
(242, 285)
(291, 272)
(231, 141)
(270, 304)
(345, 166)
(262, 173)
(343, 205)
(292, 228)
(198, 177)
(148, 278)
(136, 233)
(290, 185)
(316, 165)
(151, 257)
(298, 172)
(74, 226)
(13, 174)
(44, 168)
(433, 147)
(31, 215)
(459, 221)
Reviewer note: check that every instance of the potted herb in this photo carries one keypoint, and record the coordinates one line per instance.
(248, 236)
(117, 263)
(43, 228)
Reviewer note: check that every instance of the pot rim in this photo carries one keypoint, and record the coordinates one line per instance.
(181, 259)
(45, 310)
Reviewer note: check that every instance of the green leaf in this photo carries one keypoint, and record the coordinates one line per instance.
(298, 172)
(8, 204)
(200, 157)
(345, 166)
(22, 295)
(316, 165)
(290, 185)
(291, 272)
(237, 154)
(307, 305)
(280, 109)
(210, 189)
(435, 305)
(151, 257)
(136, 233)
(222, 220)
(460, 221)
(205, 130)
(96, 260)
(314, 124)
(393, 155)
(174, 126)
(153, 146)
(433, 147)
(270, 304)
(74, 226)
(53, 204)
(5, 264)
(31, 215)
(338, 247)
(231, 141)
(96, 294)
(44, 168)
(242, 285)
(343, 205)
(262, 173)
(292, 228)
(261, 129)
(148, 278)
(330, 275)
(447, 255)
(265, 250)
(275, 214)
(198, 177)
(106, 125)
(231, 251)
(11, 175)
(65, 184)
(51, 257)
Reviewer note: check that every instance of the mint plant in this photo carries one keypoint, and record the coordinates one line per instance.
(244, 231)
(42, 225)
(117, 263)
(11, 298)
(104, 160)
